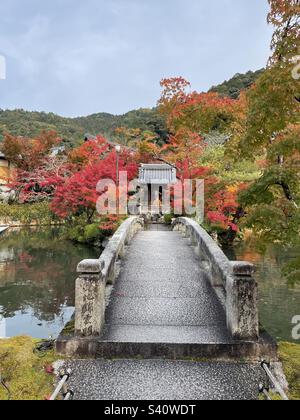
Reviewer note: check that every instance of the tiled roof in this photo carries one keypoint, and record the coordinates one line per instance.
(215, 138)
(158, 174)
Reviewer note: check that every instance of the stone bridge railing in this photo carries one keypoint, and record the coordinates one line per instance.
(235, 279)
(94, 275)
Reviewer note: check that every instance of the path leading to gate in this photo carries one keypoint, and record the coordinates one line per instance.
(161, 298)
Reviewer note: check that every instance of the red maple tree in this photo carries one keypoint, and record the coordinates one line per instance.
(78, 193)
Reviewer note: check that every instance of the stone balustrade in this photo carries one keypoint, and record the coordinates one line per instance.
(234, 279)
(94, 275)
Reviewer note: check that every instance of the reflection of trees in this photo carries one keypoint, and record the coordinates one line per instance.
(41, 274)
(279, 301)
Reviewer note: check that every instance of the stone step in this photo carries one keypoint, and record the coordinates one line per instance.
(163, 380)
(184, 349)
(148, 346)
(167, 334)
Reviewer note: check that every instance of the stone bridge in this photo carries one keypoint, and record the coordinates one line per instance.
(165, 293)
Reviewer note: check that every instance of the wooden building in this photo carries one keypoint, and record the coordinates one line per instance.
(5, 170)
(155, 180)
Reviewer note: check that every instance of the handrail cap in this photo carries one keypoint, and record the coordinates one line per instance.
(242, 268)
(90, 266)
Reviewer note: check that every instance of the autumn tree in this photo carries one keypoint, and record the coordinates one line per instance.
(273, 107)
(28, 153)
(273, 103)
(196, 112)
(89, 152)
(270, 132)
(38, 170)
(40, 183)
(285, 17)
(133, 137)
(78, 194)
(190, 116)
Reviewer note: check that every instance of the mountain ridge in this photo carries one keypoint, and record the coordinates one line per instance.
(20, 122)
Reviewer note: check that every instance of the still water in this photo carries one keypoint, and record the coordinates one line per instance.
(37, 279)
(279, 302)
(38, 272)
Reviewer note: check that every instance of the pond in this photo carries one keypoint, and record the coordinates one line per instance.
(37, 281)
(38, 272)
(279, 302)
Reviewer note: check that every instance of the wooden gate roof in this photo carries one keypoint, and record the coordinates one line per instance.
(158, 174)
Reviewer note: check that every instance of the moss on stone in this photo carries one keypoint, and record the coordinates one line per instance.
(69, 328)
(168, 218)
(23, 370)
(290, 357)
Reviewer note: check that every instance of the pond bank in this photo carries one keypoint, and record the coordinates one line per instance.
(23, 369)
(289, 354)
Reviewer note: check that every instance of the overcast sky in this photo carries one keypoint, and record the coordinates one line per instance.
(76, 57)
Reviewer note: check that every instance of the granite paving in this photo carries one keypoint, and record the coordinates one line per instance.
(161, 298)
(161, 295)
(164, 380)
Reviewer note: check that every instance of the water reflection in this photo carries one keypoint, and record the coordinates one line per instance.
(38, 271)
(279, 301)
(37, 278)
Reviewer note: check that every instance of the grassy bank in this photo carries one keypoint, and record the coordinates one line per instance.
(95, 233)
(26, 214)
(23, 370)
(290, 357)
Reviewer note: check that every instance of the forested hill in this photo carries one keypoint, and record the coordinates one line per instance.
(233, 87)
(73, 130)
(144, 119)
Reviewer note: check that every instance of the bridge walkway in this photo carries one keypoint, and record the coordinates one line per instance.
(160, 308)
(161, 295)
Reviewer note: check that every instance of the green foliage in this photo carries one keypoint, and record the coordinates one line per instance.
(228, 170)
(38, 213)
(168, 218)
(272, 107)
(73, 130)
(270, 131)
(31, 124)
(233, 87)
(106, 124)
(89, 234)
(76, 234)
(292, 272)
(272, 201)
(92, 232)
(269, 187)
(270, 224)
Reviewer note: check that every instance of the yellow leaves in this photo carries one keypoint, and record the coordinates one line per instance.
(233, 189)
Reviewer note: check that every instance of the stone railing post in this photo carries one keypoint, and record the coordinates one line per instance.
(242, 302)
(90, 299)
